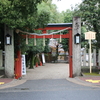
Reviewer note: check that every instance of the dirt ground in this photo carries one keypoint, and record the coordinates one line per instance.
(48, 71)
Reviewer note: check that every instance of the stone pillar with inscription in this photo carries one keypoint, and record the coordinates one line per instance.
(9, 54)
(76, 47)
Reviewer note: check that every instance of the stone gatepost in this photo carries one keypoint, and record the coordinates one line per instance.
(1, 59)
(9, 54)
(76, 47)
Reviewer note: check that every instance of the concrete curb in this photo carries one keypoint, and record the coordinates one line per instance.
(13, 83)
(76, 80)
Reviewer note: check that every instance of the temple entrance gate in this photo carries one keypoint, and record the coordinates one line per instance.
(74, 34)
(60, 26)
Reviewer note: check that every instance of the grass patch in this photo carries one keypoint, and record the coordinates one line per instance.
(92, 74)
(87, 70)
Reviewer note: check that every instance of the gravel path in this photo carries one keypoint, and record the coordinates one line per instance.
(48, 71)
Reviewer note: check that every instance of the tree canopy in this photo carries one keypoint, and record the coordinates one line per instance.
(68, 15)
(55, 16)
(89, 11)
(21, 13)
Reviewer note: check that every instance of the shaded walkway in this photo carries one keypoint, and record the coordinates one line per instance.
(48, 71)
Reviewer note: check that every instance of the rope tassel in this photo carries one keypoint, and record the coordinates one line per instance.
(26, 39)
(60, 38)
(35, 40)
(43, 40)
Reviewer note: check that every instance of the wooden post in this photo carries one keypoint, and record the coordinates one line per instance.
(90, 55)
(70, 55)
(90, 36)
(88, 58)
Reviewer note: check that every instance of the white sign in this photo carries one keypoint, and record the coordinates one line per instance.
(77, 39)
(43, 58)
(23, 65)
(8, 40)
(90, 35)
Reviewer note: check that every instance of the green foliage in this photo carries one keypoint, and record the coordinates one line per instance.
(22, 14)
(84, 42)
(91, 74)
(46, 49)
(1, 37)
(68, 15)
(65, 44)
(43, 18)
(19, 13)
(55, 16)
(31, 54)
(89, 10)
(19, 44)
